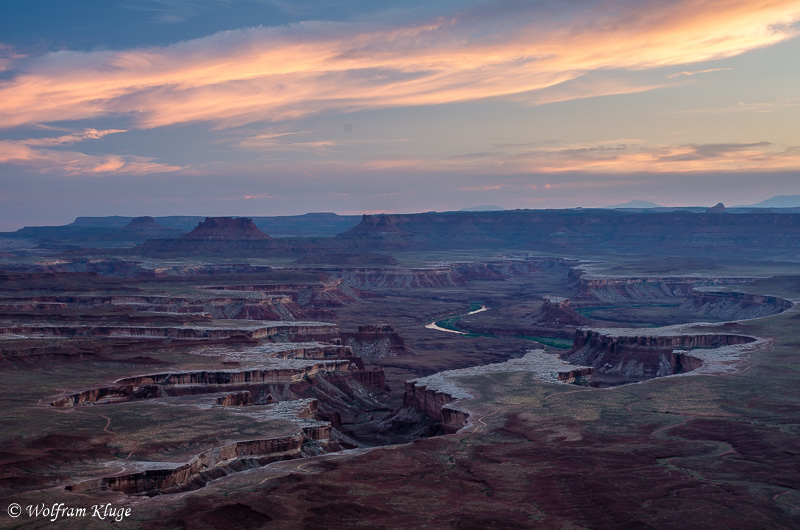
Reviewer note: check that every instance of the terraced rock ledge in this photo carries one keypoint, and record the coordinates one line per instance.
(626, 355)
(440, 397)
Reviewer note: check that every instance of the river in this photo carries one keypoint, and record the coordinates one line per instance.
(433, 325)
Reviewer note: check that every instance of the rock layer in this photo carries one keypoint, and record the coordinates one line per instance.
(637, 355)
(546, 230)
(209, 465)
(226, 229)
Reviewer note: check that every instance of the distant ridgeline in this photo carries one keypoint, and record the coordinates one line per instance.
(138, 229)
(551, 230)
(710, 231)
(539, 230)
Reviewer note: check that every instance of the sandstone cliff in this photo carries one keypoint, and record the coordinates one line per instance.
(216, 235)
(562, 230)
(639, 354)
(554, 312)
(207, 466)
(433, 404)
(226, 229)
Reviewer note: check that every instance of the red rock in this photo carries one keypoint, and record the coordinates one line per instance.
(555, 312)
(226, 229)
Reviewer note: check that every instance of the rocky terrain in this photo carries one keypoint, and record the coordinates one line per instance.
(562, 230)
(633, 355)
(441, 370)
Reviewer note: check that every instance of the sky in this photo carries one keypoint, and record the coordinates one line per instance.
(277, 107)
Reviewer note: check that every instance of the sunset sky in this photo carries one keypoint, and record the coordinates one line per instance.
(277, 107)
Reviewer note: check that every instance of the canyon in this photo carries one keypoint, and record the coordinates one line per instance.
(456, 369)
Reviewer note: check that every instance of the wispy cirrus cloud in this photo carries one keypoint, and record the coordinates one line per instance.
(285, 141)
(173, 11)
(8, 55)
(237, 77)
(625, 157)
(690, 73)
(40, 154)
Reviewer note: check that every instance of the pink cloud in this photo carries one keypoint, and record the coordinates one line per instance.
(36, 153)
(625, 156)
(485, 188)
(241, 76)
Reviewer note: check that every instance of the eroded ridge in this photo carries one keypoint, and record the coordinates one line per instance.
(155, 478)
(698, 295)
(202, 381)
(252, 331)
(283, 364)
(442, 399)
(451, 274)
(626, 355)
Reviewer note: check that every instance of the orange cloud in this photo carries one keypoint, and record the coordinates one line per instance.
(696, 72)
(34, 153)
(241, 76)
(387, 163)
(615, 157)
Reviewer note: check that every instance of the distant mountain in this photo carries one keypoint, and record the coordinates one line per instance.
(778, 201)
(660, 231)
(636, 204)
(226, 229)
(84, 229)
(141, 228)
(484, 208)
(112, 221)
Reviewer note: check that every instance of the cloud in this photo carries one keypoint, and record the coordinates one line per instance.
(71, 138)
(286, 141)
(391, 163)
(759, 107)
(623, 156)
(174, 11)
(696, 72)
(237, 77)
(7, 56)
(38, 154)
(485, 188)
(698, 158)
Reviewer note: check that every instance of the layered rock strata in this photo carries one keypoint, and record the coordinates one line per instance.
(616, 289)
(443, 275)
(734, 305)
(441, 398)
(588, 229)
(209, 465)
(250, 332)
(226, 229)
(329, 293)
(375, 342)
(645, 354)
(200, 382)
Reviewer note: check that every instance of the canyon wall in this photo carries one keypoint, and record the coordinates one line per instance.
(562, 230)
(444, 275)
(241, 384)
(639, 355)
(433, 404)
(616, 289)
(734, 305)
(375, 342)
(182, 332)
(209, 465)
